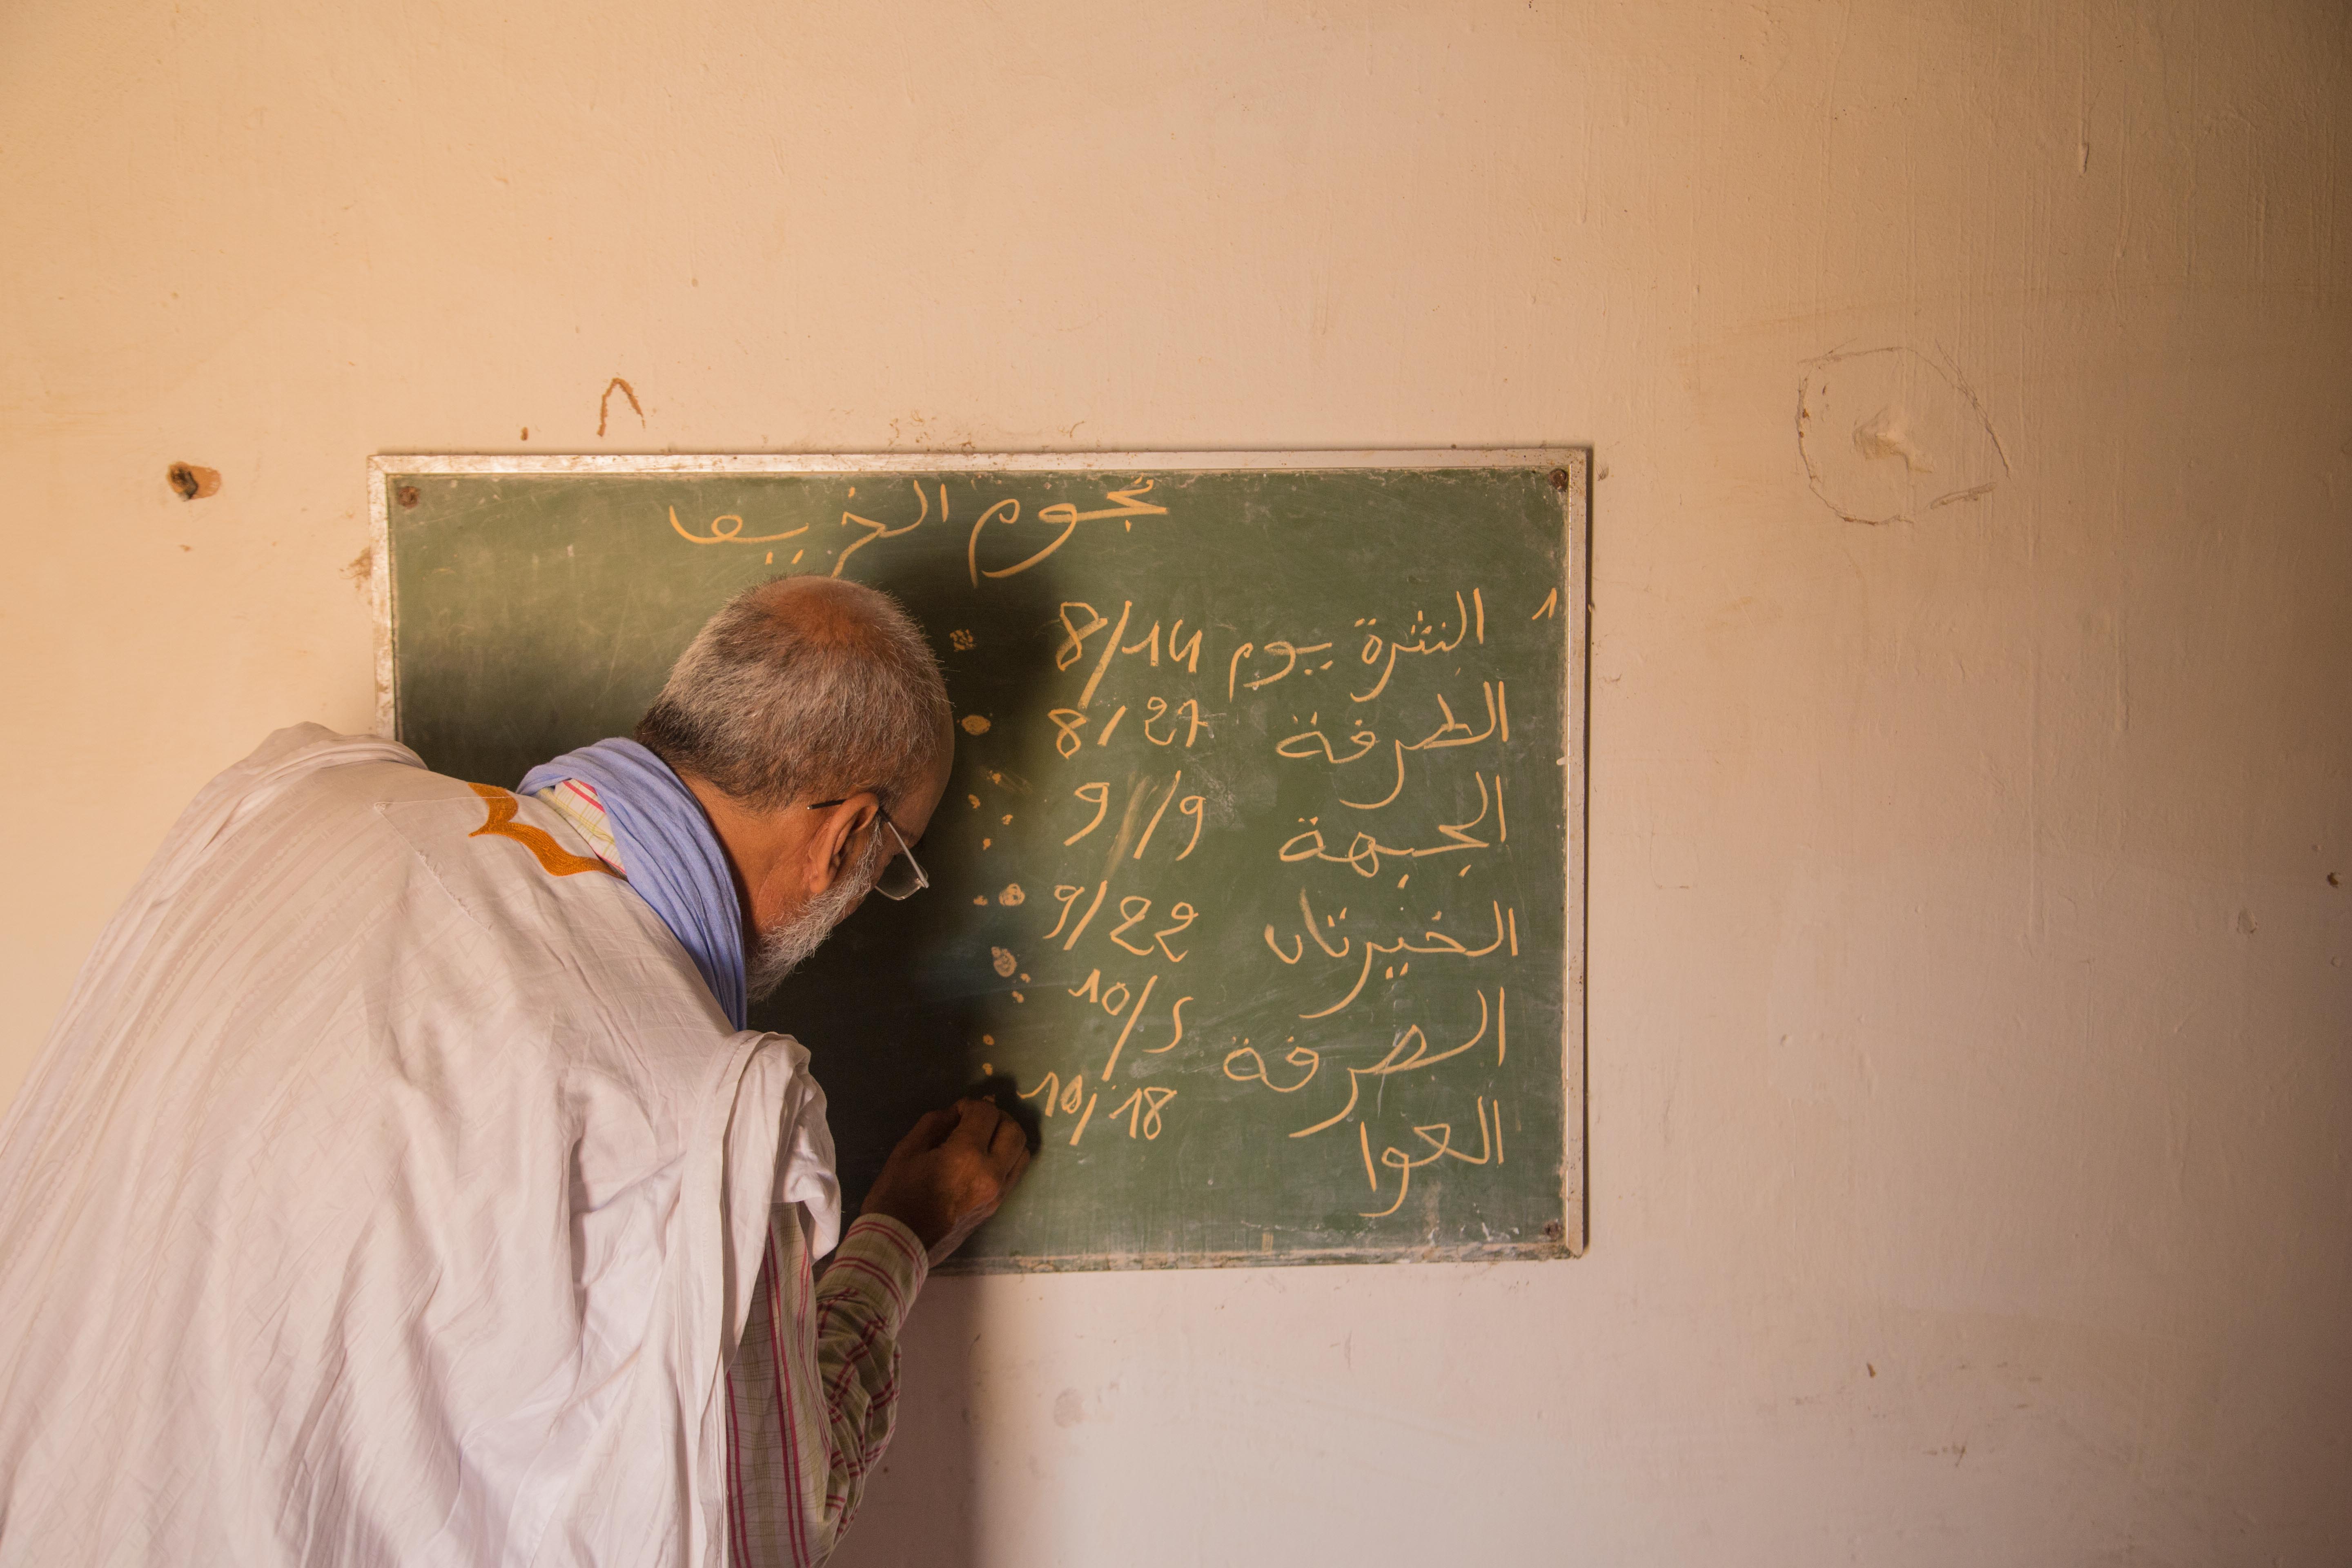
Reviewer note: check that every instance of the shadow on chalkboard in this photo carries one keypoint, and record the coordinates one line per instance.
(881, 1006)
(886, 1005)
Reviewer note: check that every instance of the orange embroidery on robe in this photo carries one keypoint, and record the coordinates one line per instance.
(552, 857)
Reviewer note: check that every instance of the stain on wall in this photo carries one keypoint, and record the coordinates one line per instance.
(1891, 434)
(605, 404)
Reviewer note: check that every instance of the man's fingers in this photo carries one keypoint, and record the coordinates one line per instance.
(978, 1121)
(937, 1126)
(1008, 1137)
(927, 1133)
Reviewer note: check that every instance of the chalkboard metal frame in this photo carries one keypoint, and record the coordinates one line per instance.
(1571, 476)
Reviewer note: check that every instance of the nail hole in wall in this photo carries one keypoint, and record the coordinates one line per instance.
(192, 482)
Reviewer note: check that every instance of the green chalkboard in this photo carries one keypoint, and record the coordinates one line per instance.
(1261, 874)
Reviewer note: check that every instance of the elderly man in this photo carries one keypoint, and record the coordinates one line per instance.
(401, 1185)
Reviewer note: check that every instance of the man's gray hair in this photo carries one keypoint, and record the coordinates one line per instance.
(802, 687)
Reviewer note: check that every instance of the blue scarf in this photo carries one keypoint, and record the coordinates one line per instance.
(670, 853)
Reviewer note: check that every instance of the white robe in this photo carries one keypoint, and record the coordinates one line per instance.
(382, 1198)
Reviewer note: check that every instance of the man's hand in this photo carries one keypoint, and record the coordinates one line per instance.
(951, 1172)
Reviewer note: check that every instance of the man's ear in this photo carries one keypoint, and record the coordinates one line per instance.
(836, 839)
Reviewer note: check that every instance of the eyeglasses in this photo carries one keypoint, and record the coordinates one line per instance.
(901, 878)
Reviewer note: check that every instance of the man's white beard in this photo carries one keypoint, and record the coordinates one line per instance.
(783, 950)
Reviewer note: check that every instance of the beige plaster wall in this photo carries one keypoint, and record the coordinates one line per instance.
(1971, 1039)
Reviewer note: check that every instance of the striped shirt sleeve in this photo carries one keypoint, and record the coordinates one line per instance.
(814, 1389)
